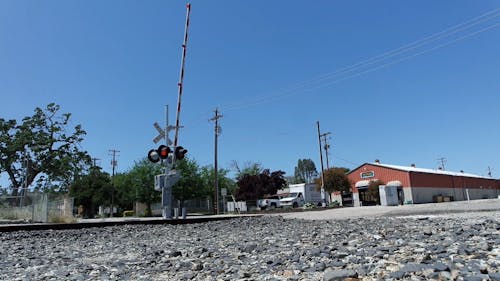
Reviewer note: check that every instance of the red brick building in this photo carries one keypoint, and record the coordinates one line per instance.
(417, 185)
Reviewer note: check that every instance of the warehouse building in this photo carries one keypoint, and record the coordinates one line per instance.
(410, 185)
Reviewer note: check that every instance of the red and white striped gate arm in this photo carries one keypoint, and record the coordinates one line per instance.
(184, 47)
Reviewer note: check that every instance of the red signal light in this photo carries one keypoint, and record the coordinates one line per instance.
(164, 151)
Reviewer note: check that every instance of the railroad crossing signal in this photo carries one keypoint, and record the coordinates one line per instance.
(180, 152)
(166, 180)
(164, 152)
(161, 133)
(153, 156)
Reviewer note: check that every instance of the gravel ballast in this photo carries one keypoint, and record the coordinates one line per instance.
(435, 247)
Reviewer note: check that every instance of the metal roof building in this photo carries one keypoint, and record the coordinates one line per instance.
(418, 185)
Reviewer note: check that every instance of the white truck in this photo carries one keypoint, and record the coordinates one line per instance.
(270, 202)
(300, 194)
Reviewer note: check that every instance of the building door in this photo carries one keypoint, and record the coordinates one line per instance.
(401, 196)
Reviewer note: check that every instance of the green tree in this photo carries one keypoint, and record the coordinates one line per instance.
(305, 171)
(335, 180)
(92, 190)
(190, 184)
(44, 147)
(249, 168)
(137, 185)
(253, 187)
(124, 195)
(207, 174)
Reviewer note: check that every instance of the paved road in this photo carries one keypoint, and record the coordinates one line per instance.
(449, 208)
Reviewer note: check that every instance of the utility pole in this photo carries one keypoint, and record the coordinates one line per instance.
(24, 187)
(113, 165)
(442, 160)
(217, 131)
(326, 146)
(322, 170)
(489, 171)
(94, 160)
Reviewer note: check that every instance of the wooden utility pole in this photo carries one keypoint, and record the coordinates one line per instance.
(322, 169)
(442, 160)
(217, 131)
(113, 165)
(326, 146)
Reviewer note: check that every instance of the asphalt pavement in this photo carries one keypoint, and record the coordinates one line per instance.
(445, 208)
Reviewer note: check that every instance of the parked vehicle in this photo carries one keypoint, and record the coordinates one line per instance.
(292, 199)
(301, 194)
(270, 202)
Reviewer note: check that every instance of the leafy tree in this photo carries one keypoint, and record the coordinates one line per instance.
(137, 185)
(335, 180)
(253, 187)
(190, 185)
(207, 174)
(42, 145)
(124, 193)
(92, 190)
(249, 168)
(305, 171)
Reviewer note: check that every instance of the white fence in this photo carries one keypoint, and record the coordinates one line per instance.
(240, 206)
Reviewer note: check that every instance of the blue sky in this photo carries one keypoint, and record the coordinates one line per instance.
(270, 67)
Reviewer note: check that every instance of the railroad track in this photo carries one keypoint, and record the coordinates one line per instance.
(106, 223)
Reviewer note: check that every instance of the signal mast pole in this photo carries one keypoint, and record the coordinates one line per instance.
(181, 78)
(172, 174)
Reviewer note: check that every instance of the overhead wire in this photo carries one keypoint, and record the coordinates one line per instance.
(405, 48)
(371, 64)
(408, 57)
(357, 68)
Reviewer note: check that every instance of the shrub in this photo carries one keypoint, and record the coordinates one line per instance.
(334, 204)
(309, 206)
(62, 219)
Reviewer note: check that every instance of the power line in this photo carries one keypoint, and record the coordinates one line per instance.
(313, 83)
(357, 68)
(347, 161)
(405, 48)
(407, 57)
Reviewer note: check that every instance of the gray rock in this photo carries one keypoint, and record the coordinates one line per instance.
(252, 249)
(440, 266)
(473, 278)
(412, 267)
(320, 266)
(334, 274)
(397, 274)
(494, 276)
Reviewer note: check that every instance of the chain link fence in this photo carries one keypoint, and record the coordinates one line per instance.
(37, 207)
